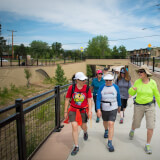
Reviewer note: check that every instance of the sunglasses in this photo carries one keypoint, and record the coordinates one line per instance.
(100, 73)
(141, 71)
(82, 80)
(108, 80)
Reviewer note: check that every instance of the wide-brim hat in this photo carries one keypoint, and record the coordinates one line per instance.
(108, 77)
(146, 69)
(80, 76)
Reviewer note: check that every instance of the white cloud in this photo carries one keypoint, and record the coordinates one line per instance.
(96, 17)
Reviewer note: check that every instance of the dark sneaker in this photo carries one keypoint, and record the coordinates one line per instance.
(121, 120)
(106, 134)
(148, 149)
(75, 151)
(97, 120)
(85, 136)
(110, 147)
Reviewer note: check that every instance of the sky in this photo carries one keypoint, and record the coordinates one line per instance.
(133, 24)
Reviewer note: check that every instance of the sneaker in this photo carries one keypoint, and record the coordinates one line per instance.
(110, 147)
(97, 120)
(131, 135)
(106, 134)
(75, 151)
(85, 136)
(148, 149)
(121, 120)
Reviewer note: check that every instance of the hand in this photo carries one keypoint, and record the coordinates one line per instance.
(130, 96)
(65, 115)
(99, 113)
(119, 109)
(134, 88)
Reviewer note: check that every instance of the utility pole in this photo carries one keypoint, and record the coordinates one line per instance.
(12, 43)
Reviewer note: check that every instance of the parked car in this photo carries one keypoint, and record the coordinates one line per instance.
(4, 60)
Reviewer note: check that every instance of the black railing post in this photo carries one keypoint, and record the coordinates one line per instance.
(57, 109)
(1, 60)
(21, 130)
(19, 62)
(147, 61)
(153, 63)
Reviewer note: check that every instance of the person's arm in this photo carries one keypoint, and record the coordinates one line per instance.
(90, 107)
(98, 101)
(133, 90)
(91, 89)
(156, 94)
(66, 107)
(118, 98)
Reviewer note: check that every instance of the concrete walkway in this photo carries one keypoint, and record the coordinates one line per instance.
(125, 149)
(59, 145)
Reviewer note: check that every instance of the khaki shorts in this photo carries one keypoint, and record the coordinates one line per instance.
(72, 117)
(140, 111)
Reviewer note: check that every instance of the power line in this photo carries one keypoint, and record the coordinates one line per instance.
(151, 27)
(135, 38)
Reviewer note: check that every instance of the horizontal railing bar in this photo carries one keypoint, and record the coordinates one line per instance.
(65, 85)
(35, 105)
(9, 119)
(7, 108)
(33, 98)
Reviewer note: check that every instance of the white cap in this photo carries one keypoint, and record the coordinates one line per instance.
(80, 76)
(108, 77)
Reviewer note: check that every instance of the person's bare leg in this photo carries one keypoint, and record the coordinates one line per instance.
(75, 132)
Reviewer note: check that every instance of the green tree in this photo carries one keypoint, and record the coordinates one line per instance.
(98, 46)
(122, 51)
(39, 49)
(57, 49)
(59, 76)
(28, 75)
(115, 52)
(89, 71)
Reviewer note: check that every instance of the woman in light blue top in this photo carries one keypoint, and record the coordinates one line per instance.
(96, 83)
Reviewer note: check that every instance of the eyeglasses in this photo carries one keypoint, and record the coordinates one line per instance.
(108, 80)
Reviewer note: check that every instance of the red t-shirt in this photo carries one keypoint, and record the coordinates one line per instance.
(79, 97)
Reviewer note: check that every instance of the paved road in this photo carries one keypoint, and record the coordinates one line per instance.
(125, 149)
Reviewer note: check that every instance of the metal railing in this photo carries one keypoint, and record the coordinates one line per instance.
(49, 62)
(28, 123)
(153, 63)
(38, 62)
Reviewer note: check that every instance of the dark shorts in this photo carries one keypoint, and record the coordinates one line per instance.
(109, 115)
(124, 103)
(72, 117)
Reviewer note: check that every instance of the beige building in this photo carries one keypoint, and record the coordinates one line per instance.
(144, 52)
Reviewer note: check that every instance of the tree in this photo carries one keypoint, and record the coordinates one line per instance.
(57, 49)
(115, 52)
(20, 50)
(39, 49)
(98, 46)
(89, 71)
(59, 76)
(28, 75)
(122, 51)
